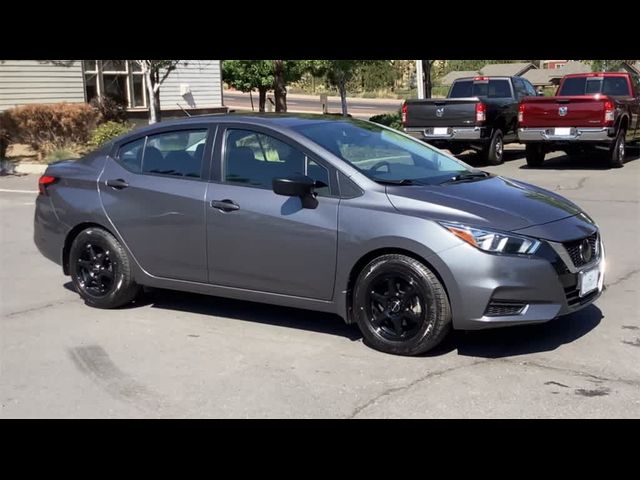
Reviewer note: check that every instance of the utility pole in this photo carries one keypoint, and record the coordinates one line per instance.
(420, 79)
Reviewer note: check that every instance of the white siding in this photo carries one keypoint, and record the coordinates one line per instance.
(40, 81)
(203, 79)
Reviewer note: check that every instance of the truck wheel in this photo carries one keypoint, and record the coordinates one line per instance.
(493, 154)
(535, 155)
(617, 151)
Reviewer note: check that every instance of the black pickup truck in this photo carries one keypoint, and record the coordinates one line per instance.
(480, 113)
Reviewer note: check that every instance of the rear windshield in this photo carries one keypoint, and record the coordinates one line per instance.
(489, 89)
(592, 85)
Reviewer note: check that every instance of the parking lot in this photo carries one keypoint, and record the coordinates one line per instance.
(177, 355)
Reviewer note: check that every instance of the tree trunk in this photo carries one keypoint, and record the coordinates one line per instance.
(279, 86)
(154, 107)
(343, 97)
(426, 69)
(263, 98)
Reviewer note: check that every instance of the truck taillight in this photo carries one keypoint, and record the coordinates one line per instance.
(521, 113)
(44, 181)
(404, 112)
(609, 110)
(481, 114)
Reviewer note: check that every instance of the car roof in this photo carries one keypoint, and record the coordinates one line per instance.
(282, 120)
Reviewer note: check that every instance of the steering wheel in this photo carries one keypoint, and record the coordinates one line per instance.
(381, 163)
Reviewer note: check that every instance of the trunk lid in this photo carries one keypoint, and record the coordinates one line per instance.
(564, 111)
(442, 112)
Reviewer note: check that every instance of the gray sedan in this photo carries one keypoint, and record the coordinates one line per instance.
(317, 212)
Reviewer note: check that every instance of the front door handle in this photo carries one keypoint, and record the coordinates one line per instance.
(225, 205)
(117, 183)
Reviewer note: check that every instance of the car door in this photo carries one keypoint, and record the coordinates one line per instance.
(262, 241)
(153, 192)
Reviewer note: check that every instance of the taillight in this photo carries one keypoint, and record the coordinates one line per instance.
(404, 113)
(44, 182)
(609, 110)
(481, 114)
(521, 113)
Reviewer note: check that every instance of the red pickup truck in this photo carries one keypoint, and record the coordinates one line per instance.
(591, 111)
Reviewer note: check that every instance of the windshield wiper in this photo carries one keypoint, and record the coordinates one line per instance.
(404, 181)
(467, 177)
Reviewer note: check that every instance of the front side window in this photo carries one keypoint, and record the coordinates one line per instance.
(382, 154)
(175, 153)
(255, 159)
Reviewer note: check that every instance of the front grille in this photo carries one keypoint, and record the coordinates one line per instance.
(503, 309)
(573, 249)
(573, 296)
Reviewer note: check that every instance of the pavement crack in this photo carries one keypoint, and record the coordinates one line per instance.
(623, 278)
(393, 390)
(580, 184)
(39, 307)
(597, 378)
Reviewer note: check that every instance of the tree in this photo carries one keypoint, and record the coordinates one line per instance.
(338, 74)
(427, 67)
(284, 73)
(155, 73)
(607, 65)
(247, 75)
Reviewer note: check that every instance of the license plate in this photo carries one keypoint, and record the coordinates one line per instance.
(562, 132)
(589, 281)
(440, 131)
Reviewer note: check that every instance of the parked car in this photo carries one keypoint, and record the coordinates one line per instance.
(590, 111)
(479, 113)
(318, 212)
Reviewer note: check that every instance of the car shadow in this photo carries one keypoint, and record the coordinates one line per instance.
(521, 340)
(585, 161)
(474, 159)
(490, 343)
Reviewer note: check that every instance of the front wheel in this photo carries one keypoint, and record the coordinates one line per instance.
(618, 151)
(400, 306)
(100, 269)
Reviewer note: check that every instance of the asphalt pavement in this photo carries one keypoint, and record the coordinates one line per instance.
(177, 355)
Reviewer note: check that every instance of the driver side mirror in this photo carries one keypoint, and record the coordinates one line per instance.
(297, 186)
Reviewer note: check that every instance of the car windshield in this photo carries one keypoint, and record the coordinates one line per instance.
(383, 155)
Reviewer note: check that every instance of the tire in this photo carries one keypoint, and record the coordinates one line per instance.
(391, 319)
(494, 153)
(100, 269)
(534, 154)
(617, 151)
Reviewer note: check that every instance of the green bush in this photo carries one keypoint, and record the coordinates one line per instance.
(106, 131)
(392, 120)
(60, 154)
(48, 127)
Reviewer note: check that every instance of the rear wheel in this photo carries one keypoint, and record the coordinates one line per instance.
(400, 306)
(494, 152)
(535, 155)
(618, 150)
(100, 269)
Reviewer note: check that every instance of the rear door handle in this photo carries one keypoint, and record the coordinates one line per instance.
(117, 183)
(225, 205)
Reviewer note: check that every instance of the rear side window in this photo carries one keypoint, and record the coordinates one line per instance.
(490, 89)
(175, 153)
(616, 86)
(130, 155)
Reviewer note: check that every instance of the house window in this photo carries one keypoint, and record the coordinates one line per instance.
(121, 80)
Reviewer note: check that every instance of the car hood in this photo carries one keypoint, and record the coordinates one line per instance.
(494, 202)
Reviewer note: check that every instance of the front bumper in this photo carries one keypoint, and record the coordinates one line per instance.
(544, 286)
(576, 135)
(454, 134)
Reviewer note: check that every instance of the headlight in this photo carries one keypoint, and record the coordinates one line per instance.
(494, 242)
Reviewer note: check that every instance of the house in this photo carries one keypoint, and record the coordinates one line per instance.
(552, 64)
(539, 77)
(495, 69)
(194, 86)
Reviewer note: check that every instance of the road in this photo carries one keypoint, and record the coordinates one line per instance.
(358, 107)
(176, 355)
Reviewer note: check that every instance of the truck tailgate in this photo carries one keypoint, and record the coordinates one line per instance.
(436, 112)
(577, 111)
